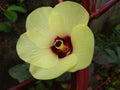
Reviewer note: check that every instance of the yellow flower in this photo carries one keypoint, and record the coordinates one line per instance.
(57, 40)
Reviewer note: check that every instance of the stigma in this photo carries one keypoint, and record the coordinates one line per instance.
(62, 46)
(59, 45)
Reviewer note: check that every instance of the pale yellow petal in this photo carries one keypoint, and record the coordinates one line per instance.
(63, 66)
(41, 38)
(32, 54)
(37, 27)
(67, 15)
(38, 19)
(83, 46)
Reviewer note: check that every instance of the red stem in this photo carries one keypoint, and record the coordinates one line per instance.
(103, 9)
(73, 81)
(93, 9)
(22, 85)
(86, 5)
(60, 1)
(80, 79)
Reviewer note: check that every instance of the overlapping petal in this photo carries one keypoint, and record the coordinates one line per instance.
(64, 65)
(42, 38)
(30, 53)
(37, 27)
(38, 19)
(83, 44)
(67, 15)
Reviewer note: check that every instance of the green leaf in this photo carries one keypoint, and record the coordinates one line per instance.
(118, 52)
(111, 88)
(20, 72)
(17, 8)
(102, 57)
(117, 27)
(93, 81)
(39, 87)
(111, 53)
(49, 83)
(5, 26)
(11, 15)
(64, 77)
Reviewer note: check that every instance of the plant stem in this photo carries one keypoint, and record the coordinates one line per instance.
(86, 5)
(22, 85)
(73, 82)
(103, 9)
(93, 9)
(60, 1)
(83, 79)
(80, 79)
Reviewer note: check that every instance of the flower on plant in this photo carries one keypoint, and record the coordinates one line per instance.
(57, 40)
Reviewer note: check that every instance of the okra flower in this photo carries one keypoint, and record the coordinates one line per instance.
(57, 40)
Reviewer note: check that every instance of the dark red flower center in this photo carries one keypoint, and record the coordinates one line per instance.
(62, 46)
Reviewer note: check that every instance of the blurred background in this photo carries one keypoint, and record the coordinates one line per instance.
(105, 69)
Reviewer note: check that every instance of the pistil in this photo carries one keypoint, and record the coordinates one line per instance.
(62, 46)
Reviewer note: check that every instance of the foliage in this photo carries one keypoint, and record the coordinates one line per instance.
(5, 26)
(107, 61)
(111, 41)
(20, 72)
(117, 27)
(16, 8)
(11, 15)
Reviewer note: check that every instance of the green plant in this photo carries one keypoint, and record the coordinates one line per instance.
(10, 15)
(107, 61)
